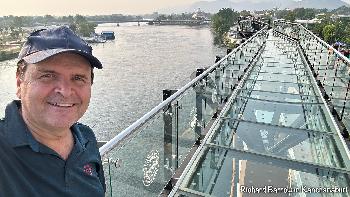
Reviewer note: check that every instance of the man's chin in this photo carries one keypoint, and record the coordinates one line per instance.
(61, 123)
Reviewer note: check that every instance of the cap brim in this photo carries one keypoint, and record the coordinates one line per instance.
(42, 55)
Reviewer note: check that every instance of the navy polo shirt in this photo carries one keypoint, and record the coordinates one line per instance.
(29, 168)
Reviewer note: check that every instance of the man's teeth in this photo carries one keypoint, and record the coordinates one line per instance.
(62, 105)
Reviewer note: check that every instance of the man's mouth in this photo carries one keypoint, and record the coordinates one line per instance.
(61, 104)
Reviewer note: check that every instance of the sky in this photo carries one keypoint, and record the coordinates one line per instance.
(85, 7)
(89, 7)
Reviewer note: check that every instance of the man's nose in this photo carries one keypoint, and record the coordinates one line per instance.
(64, 87)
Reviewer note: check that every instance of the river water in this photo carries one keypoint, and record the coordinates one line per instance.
(141, 62)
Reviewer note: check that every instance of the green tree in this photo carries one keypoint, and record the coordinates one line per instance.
(82, 27)
(223, 20)
(290, 16)
(304, 13)
(244, 13)
(161, 17)
(328, 33)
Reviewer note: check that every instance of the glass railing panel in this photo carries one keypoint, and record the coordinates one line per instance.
(295, 144)
(332, 81)
(344, 114)
(213, 86)
(147, 160)
(341, 103)
(343, 70)
(218, 86)
(188, 122)
(322, 57)
(240, 59)
(107, 165)
(336, 92)
(225, 85)
(206, 100)
(143, 165)
(208, 109)
(223, 172)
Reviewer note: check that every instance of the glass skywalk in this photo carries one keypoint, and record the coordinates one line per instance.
(265, 120)
(276, 135)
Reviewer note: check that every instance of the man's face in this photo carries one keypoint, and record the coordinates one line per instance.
(56, 92)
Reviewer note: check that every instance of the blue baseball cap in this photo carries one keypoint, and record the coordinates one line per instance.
(44, 43)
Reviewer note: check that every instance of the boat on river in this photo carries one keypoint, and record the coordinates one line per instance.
(95, 39)
(108, 35)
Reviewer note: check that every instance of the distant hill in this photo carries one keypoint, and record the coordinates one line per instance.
(344, 10)
(319, 4)
(215, 6)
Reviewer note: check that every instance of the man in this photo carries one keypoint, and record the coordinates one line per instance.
(43, 150)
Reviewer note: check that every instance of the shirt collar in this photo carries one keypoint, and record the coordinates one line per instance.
(80, 140)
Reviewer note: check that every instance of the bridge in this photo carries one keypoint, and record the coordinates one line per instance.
(160, 22)
(271, 118)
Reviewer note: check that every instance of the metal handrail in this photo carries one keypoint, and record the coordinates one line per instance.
(140, 122)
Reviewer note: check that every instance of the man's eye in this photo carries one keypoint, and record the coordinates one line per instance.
(79, 78)
(47, 76)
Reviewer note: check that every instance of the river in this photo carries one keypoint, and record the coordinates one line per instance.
(141, 62)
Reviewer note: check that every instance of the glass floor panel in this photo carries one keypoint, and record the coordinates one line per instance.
(296, 115)
(285, 65)
(284, 70)
(291, 143)
(281, 97)
(279, 77)
(277, 86)
(224, 172)
(283, 78)
(281, 69)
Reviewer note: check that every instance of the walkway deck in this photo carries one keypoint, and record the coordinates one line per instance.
(277, 132)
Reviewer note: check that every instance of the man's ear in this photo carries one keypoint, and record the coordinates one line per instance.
(19, 81)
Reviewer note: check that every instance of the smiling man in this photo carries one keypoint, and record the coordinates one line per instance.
(43, 150)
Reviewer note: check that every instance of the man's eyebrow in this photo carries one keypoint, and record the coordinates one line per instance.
(46, 71)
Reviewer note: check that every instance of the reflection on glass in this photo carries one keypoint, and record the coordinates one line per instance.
(301, 145)
(226, 173)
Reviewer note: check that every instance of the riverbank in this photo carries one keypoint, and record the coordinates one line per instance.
(8, 52)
